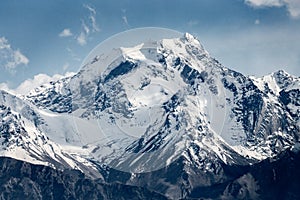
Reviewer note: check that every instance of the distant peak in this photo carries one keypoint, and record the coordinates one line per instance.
(190, 38)
(282, 78)
(281, 72)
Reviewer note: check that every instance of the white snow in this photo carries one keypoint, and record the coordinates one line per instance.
(134, 52)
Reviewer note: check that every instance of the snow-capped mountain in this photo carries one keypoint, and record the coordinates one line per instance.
(146, 108)
(284, 86)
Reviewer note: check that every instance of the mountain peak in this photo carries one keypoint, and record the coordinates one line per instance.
(189, 36)
(282, 78)
(190, 39)
(281, 72)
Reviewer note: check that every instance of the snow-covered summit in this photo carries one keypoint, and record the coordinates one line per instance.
(277, 81)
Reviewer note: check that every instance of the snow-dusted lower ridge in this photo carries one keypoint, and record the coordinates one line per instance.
(142, 108)
(23, 139)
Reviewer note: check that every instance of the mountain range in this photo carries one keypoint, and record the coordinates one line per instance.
(160, 120)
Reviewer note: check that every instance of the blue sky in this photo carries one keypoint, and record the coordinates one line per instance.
(255, 37)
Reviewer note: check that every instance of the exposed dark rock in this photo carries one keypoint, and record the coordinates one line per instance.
(21, 180)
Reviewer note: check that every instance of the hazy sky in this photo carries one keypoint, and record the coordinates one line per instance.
(255, 37)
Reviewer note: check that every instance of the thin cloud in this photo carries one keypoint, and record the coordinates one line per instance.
(265, 3)
(65, 66)
(72, 54)
(81, 39)
(4, 43)
(293, 6)
(10, 58)
(193, 23)
(124, 18)
(65, 33)
(92, 18)
(95, 27)
(87, 27)
(91, 9)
